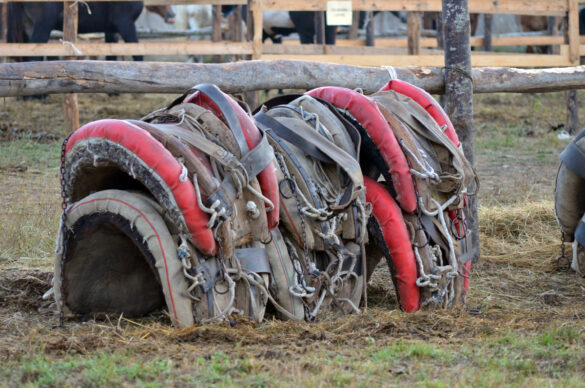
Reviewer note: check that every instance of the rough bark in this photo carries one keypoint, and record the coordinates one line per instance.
(21, 79)
(29, 78)
(459, 91)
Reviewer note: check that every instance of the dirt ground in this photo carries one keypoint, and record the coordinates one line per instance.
(524, 322)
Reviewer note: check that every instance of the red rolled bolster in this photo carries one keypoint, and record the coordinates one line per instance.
(365, 110)
(267, 177)
(427, 101)
(389, 216)
(157, 157)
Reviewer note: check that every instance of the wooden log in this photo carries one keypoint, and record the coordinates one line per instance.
(459, 94)
(21, 79)
(413, 32)
(70, 105)
(29, 78)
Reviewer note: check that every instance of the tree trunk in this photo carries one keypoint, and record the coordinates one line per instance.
(459, 91)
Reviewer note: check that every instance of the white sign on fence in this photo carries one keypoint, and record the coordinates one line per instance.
(339, 13)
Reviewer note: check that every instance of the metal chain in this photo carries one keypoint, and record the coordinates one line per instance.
(64, 231)
(563, 262)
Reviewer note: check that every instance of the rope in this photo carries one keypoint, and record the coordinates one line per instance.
(68, 43)
(460, 71)
(428, 173)
(209, 210)
(391, 72)
(81, 2)
(184, 173)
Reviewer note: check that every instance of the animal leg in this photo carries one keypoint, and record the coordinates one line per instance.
(111, 37)
(128, 33)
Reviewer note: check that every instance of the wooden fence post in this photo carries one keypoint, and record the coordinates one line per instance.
(258, 19)
(3, 22)
(353, 29)
(459, 91)
(70, 105)
(413, 25)
(573, 37)
(216, 33)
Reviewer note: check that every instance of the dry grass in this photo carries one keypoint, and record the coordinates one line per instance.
(521, 235)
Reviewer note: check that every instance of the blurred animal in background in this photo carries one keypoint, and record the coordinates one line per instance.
(33, 22)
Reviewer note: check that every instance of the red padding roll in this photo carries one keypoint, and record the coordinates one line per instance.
(267, 177)
(427, 101)
(389, 216)
(157, 157)
(365, 110)
(466, 281)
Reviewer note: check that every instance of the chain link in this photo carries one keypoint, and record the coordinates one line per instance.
(563, 262)
(64, 231)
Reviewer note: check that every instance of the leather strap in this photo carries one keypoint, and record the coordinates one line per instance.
(580, 233)
(258, 158)
(275, 101)
(228, 112)
(333, 154)
(574, 158)
(269, 124)
(433, 232)
(220, 100)
(351, 130)
(254, 259)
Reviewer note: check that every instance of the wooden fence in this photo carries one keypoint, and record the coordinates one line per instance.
(388, 51)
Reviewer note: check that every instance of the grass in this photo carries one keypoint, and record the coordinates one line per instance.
(523, 325)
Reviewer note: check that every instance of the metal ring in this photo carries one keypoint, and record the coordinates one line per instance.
(454, 229)
(291, 185)
(566, 267)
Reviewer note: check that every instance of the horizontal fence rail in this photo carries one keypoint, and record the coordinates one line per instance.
(21, 79)
(385, 51)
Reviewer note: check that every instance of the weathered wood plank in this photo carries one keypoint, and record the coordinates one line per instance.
(413, 32)
(70, 104)
(140, 48)
(532, 7)
(155, 2)
(257, 26)
(573, 32)
(478, 59)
